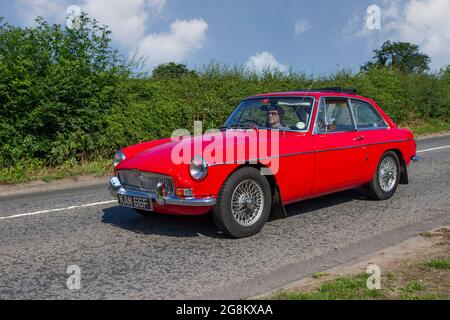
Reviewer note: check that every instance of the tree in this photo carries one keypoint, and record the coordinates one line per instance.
(401, 56)
(171, 70)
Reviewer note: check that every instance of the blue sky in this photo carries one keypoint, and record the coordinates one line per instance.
(331, 35)
(239, 29)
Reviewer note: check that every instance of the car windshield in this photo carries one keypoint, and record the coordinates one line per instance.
(283, 113)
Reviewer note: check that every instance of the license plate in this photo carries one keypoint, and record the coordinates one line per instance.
(135, 202)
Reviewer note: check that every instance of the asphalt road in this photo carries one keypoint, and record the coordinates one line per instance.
(122, 255)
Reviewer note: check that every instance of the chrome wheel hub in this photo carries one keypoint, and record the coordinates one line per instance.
(247, 203)
(387, 174)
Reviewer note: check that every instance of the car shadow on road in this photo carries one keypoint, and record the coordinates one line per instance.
(160, 224)
(308, 206)
(195, 226)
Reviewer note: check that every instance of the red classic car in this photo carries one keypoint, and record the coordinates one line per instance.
(274, 149)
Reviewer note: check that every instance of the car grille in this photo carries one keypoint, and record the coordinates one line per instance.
(144, 180)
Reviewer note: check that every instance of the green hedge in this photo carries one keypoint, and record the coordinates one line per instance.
(67, 97)
(157, 107)
(56, 86)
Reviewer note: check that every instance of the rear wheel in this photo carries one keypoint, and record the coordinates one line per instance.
(386, 178)
(244, 202)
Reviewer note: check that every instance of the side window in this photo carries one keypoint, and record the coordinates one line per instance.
(366, 116)
(334, 116)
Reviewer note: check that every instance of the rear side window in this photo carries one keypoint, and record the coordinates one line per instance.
(366, 116)
(334, 116)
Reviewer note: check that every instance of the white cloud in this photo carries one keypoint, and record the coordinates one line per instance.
(301, 26)
(183, 39)
(422, 22)
(128, 21)
(264, 61)
(425, 23)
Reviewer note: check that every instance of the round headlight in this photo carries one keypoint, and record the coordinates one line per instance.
(198, 168)
(119, 156)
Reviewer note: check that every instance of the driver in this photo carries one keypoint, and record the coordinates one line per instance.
(275, 116)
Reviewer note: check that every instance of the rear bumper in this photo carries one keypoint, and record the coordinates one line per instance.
(116, 188)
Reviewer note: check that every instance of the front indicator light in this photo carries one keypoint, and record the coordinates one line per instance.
(186, 193)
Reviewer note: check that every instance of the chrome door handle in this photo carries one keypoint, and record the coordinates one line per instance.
(360, 138)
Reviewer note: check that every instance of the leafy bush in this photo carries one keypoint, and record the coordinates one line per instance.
(56, 85)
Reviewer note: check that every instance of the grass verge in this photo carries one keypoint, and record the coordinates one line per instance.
(427, 127)
(354, 287)
(27, 173)
(417, 270)
(342, 288)
(443, 264)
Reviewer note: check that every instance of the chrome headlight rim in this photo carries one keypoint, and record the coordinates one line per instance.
(119, 156)
(198, 168)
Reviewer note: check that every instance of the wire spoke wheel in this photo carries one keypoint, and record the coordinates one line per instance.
(243, 203)
(388, 174)
(247, 202)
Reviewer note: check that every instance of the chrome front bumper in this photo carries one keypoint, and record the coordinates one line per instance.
(116, 188)
(416, 158)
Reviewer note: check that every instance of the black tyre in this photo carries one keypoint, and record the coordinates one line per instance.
(244, 203)
(144, 212)
(386, 178)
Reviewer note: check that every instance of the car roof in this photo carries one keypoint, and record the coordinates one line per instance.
(315, 94)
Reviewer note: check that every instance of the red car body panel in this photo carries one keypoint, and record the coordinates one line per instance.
(310, 165)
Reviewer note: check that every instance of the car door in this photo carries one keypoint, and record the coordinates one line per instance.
(340, 151)
(295, 174)
(372, 126)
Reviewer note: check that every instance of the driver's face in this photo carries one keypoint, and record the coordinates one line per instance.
(273, 118)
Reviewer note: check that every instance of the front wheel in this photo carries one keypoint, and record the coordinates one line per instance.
(244, 202)
(386, 178)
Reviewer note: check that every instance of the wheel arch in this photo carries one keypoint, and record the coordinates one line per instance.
(404, 179)
(278, 210)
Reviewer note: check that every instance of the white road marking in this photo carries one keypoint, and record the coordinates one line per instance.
(113, 201)
(433, 149)
(56, 210)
